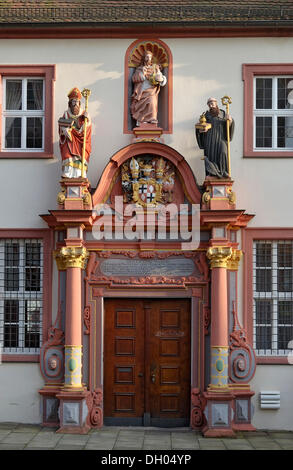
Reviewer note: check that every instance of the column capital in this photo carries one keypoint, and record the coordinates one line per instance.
(71, 257)
(233, 262)
(219, 256)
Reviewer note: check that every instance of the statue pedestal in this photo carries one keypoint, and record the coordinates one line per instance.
(74, 194)
(218, 194)
(148, 133)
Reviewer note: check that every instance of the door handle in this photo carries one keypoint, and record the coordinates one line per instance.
(153, 373)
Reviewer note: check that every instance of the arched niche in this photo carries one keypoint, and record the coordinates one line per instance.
(162, 56)
(110, 181)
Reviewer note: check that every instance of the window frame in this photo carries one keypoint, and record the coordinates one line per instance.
(47, 238)
(249, 73)
(249, 236)
(48, 73)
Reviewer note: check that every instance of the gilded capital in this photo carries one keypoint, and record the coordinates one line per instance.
(233, 262)
(219, 256)
(71, 257)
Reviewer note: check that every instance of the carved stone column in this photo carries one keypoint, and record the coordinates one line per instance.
(219, 257)
(219, 398)
(73, 409)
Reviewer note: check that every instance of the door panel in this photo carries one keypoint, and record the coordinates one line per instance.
(124, 360)
(147, 362)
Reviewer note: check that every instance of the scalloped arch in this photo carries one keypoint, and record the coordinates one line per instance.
(187, 177)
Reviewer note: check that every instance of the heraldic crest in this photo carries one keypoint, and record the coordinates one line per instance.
(148, 181)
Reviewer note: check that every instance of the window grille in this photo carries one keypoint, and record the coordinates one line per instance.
(21, 295)
(273, 297)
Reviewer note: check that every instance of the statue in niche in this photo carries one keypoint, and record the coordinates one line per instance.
(147, 80)
(75, 131)
(213, 135)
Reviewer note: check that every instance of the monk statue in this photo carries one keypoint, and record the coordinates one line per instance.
(147, 80)
(211, 136)
(71, 137)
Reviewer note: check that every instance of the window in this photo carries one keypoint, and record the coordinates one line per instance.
(23, 115)
(273, 296)
(27, 111)
(273, 113)
(21, 295)
(268, 110)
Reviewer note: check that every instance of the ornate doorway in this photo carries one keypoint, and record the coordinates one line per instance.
(147, 362)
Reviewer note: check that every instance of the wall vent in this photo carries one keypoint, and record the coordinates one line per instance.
(270, 400)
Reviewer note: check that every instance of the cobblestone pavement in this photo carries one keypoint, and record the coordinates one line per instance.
(15, 436)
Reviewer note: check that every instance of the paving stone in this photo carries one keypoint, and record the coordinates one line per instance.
(11, 446)
(69, 447)
(8, 425)
(73, 439)
(18, 438)
(27, 428)
(281, 435)
(99, 446)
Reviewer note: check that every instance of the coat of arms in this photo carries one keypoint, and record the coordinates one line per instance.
(148, 181)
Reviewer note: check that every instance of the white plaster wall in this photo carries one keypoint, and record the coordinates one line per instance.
(273, 378)
(202, 68)
(19, 397)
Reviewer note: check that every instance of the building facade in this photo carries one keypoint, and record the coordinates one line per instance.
(148, 288)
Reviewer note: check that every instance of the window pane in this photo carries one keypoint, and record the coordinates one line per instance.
(34, 137)
(32, 254)
(263, 132)
(11, 272)
(285, 131)
(32, 270)
(263, 311)
(263, 254)
(285, 281)
(32, 323)
(263, 337)
(285, 252)
(10, 323)
(14, 95)
(285, 312)
(34, 94)
(12, 132)
(285, 86)
(263, 93)
(11, 254)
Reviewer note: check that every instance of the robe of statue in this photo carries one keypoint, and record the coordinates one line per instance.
(144, 100)
(214, 144)
(71, 149)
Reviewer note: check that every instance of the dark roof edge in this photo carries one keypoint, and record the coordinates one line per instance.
(110, 30)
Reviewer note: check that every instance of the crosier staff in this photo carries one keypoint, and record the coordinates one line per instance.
(86, 94)
(226, 100)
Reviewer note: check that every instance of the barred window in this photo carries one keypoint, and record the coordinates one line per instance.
(273, 296)
(21, 293)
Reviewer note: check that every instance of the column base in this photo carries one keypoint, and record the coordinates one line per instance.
(73, 411)
(219, 413)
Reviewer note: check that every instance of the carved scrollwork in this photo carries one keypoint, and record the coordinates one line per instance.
(87, 319)
(94, 403)
(242, 360)
(198, 403)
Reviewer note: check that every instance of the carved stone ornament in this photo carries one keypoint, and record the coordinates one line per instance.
(233, 262)
(148, 181)
(159, 54)
(71, 257)
(94, 403)
(198, 403)
(87, 319)
(219, 256)
(242, 360)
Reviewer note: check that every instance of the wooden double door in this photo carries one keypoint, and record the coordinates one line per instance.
(147, 362)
